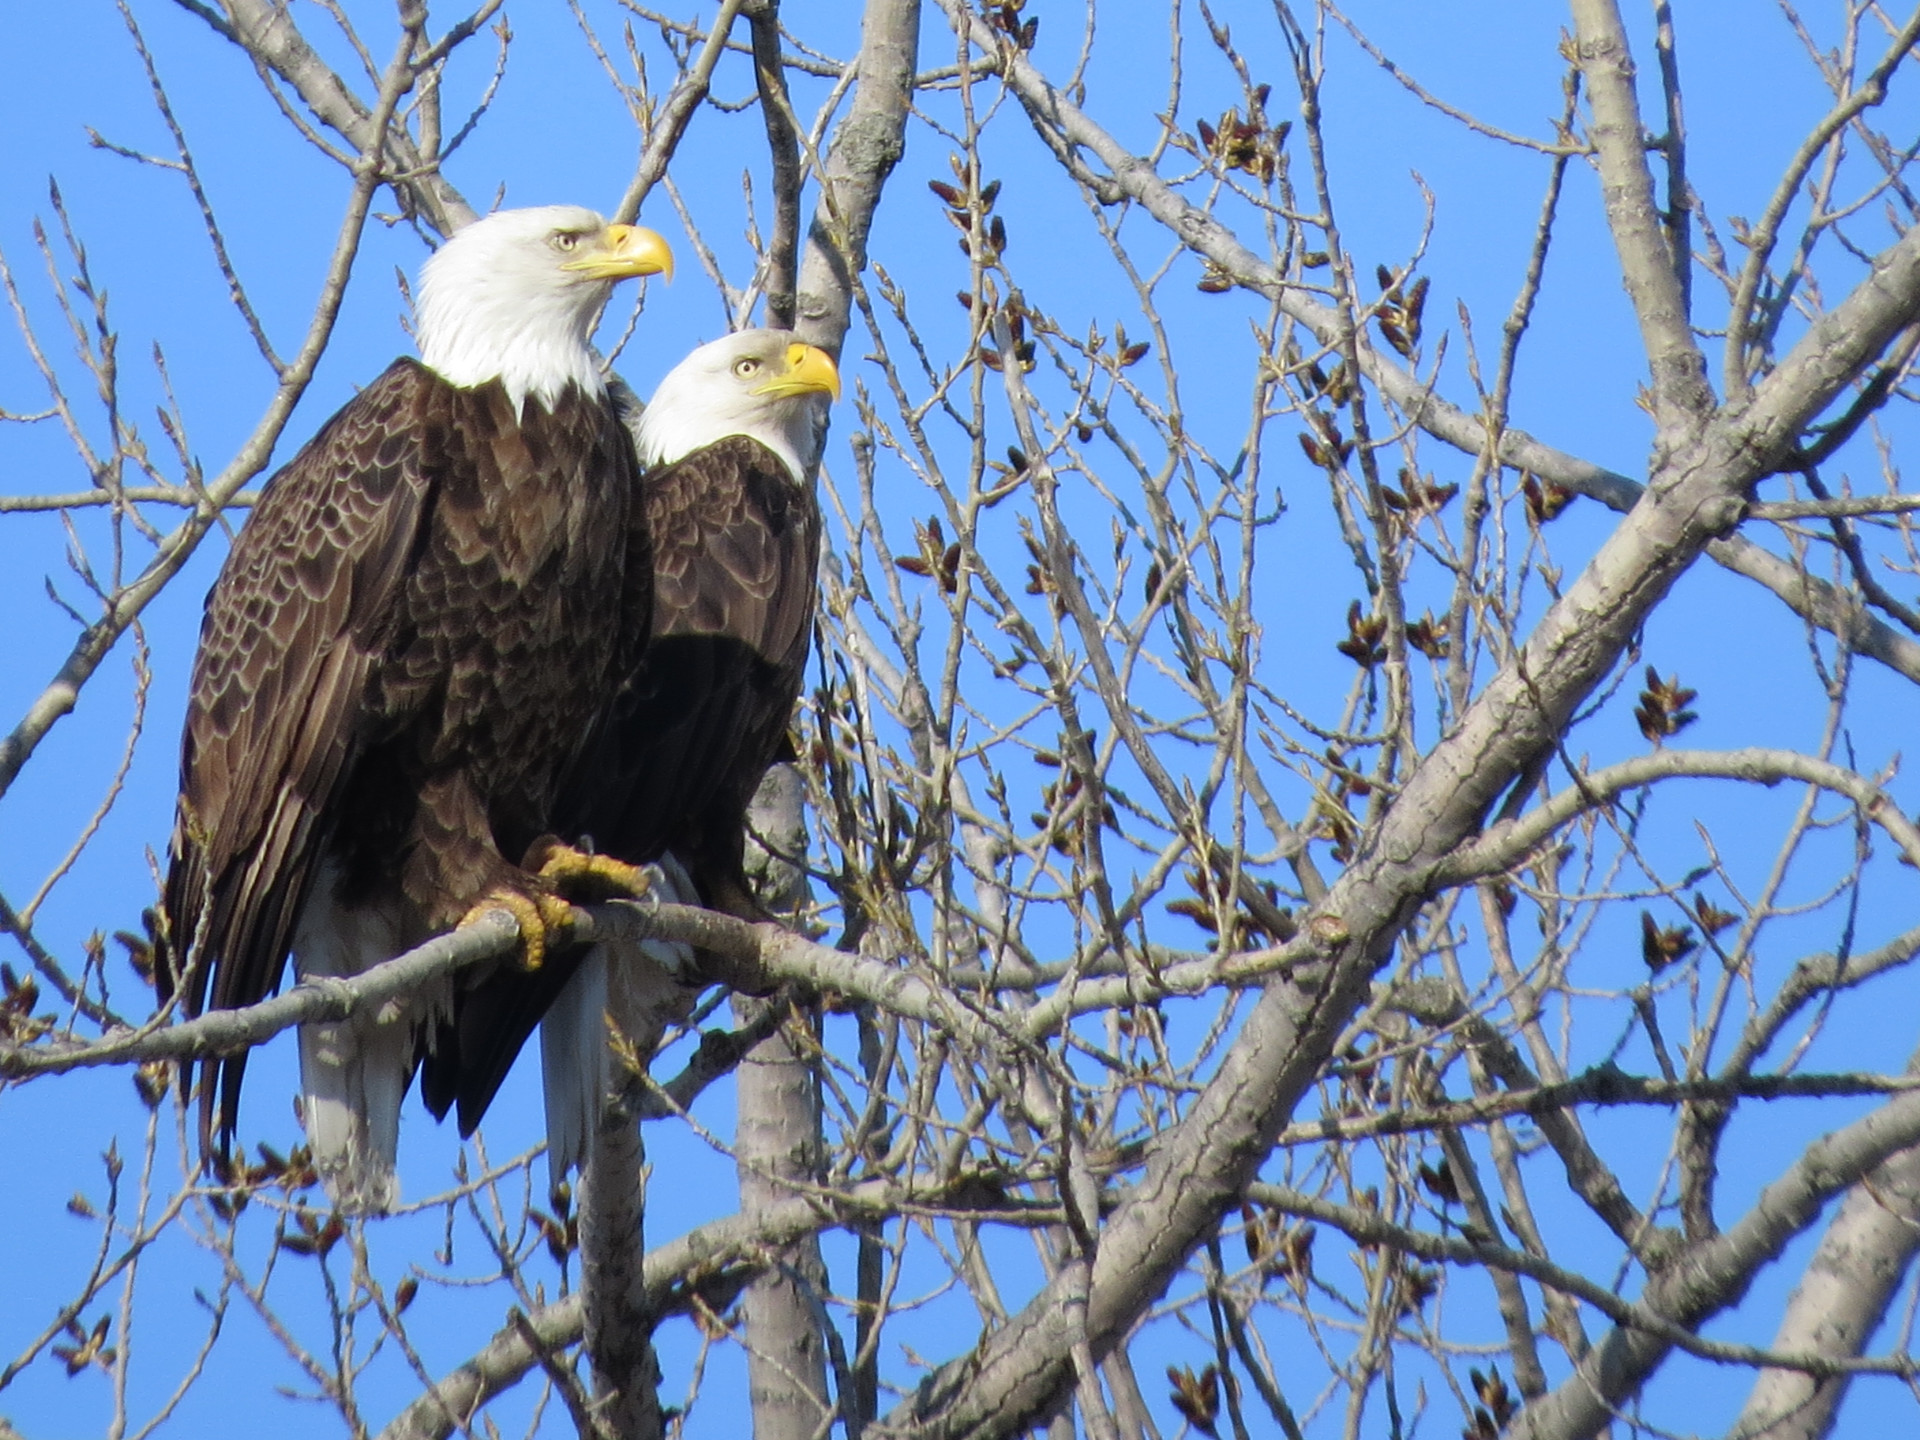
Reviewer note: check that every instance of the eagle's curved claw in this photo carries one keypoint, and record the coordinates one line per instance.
(583, 873)
(538, 914)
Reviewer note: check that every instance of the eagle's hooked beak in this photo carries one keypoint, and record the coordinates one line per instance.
(810, 371)
(623, 251)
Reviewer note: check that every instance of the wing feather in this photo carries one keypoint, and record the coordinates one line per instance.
(736, 554)
(275, 709)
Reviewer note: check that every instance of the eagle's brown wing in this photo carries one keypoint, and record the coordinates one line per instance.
(678, 756)
(736, 551)
(292, 631)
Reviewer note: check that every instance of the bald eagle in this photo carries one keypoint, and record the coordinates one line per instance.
(406, 650)
(730, 443)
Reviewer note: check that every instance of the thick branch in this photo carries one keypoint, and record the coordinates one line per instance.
(641, 1001)
(1841, 1300)
(1715, 1274)
(1681, 399)
(779, 1139)
(1837, 348)
(316, 998)
(1200, 1167)
(866, 147)
(783, 144)
(268, 34)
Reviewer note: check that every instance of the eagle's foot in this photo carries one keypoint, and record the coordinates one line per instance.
(585, 875)
(539, 914)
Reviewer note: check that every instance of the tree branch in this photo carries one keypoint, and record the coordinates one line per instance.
(1840, 1302)
(866, 147)
(268, 34)
(1711, 1275)
(685, 97)
(1200, 1167)
(783, 144)
(1071, 130)
(1508, 843)
(1681, 398)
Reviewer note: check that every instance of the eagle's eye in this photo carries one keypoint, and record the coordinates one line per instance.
(565, 240)
(746, 366)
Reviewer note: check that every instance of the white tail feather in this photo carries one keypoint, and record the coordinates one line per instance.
(576, 1062)
(354, 1072)
(576, 1065)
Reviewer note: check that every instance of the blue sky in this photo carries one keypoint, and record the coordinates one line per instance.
(559, 134)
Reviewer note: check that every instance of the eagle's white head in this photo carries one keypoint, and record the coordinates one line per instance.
(515, 297)
(764, 384)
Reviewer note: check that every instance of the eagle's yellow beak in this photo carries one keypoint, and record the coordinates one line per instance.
(622, 251)
(810, 371)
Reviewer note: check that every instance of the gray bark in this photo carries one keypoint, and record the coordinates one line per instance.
(619, 1325)
(1713, 1274)
(777, 1138)
(866, 147)
(643, 997)
(1840, 1301)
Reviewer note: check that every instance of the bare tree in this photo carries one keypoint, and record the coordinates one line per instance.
(1253, 910)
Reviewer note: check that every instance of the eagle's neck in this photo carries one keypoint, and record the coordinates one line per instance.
(677, 422)
(535, 351)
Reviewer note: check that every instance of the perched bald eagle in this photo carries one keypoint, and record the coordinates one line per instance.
(730, 443)
(405, 652)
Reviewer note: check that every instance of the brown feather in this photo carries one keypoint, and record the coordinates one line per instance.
(678, 757)
(736, 551)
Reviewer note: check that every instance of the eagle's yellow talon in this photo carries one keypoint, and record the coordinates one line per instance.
(555, 912)
(563, 865)
(539, 917)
